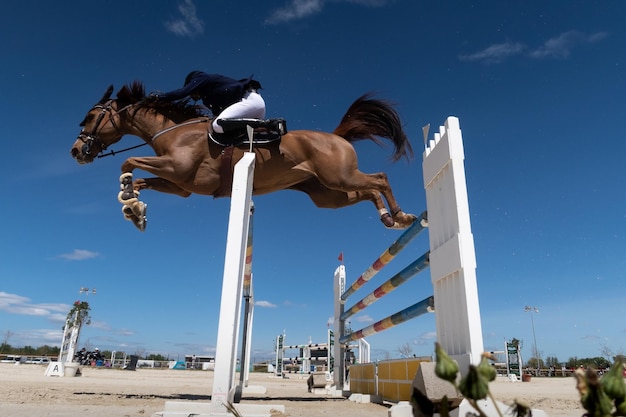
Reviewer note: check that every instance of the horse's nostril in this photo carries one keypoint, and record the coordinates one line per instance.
(74, 152)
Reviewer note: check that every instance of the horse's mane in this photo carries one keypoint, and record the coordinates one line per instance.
(178, 111)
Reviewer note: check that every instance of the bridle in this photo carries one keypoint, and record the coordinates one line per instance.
(89, 138)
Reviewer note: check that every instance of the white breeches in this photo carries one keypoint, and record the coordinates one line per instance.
(251, 106)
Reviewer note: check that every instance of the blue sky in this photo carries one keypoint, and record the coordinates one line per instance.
(539, 91)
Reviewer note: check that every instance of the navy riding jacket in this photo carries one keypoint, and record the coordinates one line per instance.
(216, 91)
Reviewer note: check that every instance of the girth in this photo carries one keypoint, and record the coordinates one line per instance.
(236, 134)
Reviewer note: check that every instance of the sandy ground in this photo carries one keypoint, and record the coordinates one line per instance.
(26, 392)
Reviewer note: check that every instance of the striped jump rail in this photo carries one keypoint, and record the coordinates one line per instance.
(247, 272)
(427, 305)
(391, 284)
(396, 247)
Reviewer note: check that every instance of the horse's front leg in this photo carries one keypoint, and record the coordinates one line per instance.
(160, 185)
(133, 209)
(162, 166)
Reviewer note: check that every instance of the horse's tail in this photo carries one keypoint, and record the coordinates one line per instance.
(369, 118)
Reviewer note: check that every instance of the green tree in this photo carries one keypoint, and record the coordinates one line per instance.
(156, 357)
(28, 350)
(534, 363)
(597, 362)
(5, 346)
(552, 361)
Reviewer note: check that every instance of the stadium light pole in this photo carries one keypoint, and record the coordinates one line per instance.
(532, 321)
(85, 290)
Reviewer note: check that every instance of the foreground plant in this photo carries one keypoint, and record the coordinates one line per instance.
(474, 386)
(602, 397)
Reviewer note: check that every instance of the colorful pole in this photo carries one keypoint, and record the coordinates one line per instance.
(247, 271)
(418, 225)
(427, 305)
(391, 284)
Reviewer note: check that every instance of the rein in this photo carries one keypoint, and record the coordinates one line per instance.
(162, 132)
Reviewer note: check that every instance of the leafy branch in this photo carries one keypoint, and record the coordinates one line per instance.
(83, 317)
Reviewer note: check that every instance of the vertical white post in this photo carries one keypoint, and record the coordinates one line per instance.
(232, 284)
(71, 333)
(364, 351)
(338, 328)
(66, 343)
(330, 348)
(248, 295)
(249, 318)
(452, 256)
(280, 342)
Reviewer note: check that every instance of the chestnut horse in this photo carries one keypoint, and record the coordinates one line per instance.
(322, 165)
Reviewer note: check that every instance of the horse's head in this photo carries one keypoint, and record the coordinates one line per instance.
(99, 130)
(109, 119)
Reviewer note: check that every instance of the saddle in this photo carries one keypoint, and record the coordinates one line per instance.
(236, 132)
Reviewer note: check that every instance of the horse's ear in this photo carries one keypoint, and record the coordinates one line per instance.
(107, 94)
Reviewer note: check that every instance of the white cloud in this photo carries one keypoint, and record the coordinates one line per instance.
(262, 303)
(296, 9)
(17, 304)
(560, 46)
(495, 53)
(36, 337)
(364, 318)
(7, 299)
(426, 339)
(188, 24)
(79, 255)
(299, 9)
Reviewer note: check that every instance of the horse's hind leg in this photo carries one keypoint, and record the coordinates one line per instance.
(325, 197)
(377, 185)
(371, 186)
(397, 219)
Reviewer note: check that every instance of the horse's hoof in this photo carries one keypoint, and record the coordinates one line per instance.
(410, 219)
(387, 220)
(396, 226)
(142, 220)
(138, 217)
(140, 223)
(404, 220)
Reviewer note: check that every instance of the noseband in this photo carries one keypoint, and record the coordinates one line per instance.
(88, 138)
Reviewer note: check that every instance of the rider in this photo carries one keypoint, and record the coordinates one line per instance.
(226, 97)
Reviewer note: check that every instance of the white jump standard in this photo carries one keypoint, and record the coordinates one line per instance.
(224, 388)
(451, 259)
